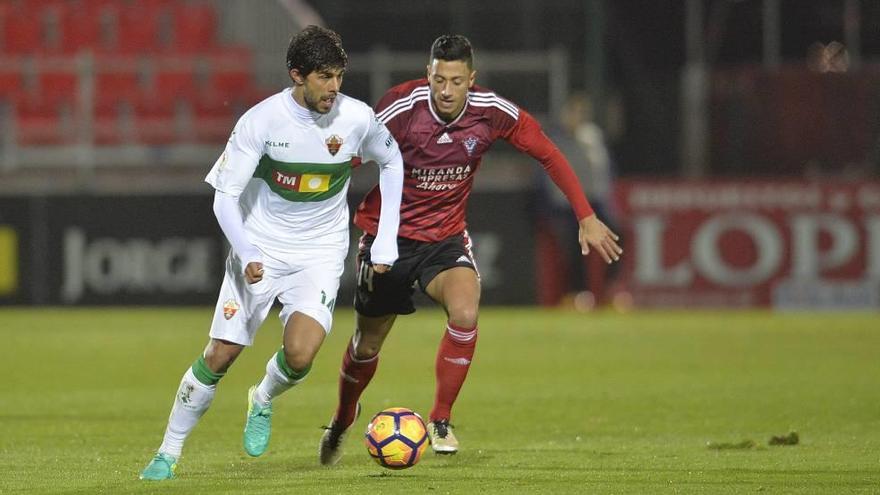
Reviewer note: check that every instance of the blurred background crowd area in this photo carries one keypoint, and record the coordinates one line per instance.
(95, 92)
(735, 145)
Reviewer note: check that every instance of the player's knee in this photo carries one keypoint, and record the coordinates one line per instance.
(464, 316)
(297, 361)
(366, 350)
(219, 355)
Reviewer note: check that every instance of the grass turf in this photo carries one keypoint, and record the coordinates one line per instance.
(556, 403)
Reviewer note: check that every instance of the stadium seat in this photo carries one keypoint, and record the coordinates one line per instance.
(213, 118)
(194, 91)
(83, 28)
(23, 31)
(110, 124)
(11, 85)
(138, 27)
(228, 57)
(231, 83)
(114, 86)
(170, 85)
(41, 123)
(155, 123)
(194, 26)
(56, 86)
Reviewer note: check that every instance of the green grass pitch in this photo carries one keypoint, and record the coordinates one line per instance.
(556, 402)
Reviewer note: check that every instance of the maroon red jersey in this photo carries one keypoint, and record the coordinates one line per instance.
(440, 159)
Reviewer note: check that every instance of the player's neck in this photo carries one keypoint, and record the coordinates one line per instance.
(300, 110)
(447, 119)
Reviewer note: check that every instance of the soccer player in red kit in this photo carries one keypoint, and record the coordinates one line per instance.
(443, 125)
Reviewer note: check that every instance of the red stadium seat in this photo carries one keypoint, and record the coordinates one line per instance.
(81, 28)
(176, 84)
(138, 28)
(155, 123)
(229, 58)
(231, 83)
(23, 31)
(108, 128)
(56, 87)
(11, 85)
(115, 86)
(194, 25)
(213, 118)
(41, 123)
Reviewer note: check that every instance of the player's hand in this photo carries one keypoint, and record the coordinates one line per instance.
(592, 232)
(380, 268)
(253, 272)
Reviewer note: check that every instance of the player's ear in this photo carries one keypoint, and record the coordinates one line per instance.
(428, 71)
(297, 78)
(472, 78)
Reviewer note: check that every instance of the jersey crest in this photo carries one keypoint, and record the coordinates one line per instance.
(333, 143)
(470, 144)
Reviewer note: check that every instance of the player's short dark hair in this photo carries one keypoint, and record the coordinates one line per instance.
(451, 47)
(315, 48)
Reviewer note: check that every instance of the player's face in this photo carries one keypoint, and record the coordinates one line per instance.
(450, 81)
(318, 90)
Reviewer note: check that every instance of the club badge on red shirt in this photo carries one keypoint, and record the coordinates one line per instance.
(470, 144)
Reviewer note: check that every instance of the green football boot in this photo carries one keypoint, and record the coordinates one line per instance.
(258, 427)
(160, 468)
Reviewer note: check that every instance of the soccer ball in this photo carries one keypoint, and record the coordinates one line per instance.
(396, 438)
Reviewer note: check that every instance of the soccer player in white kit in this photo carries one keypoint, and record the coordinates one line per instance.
(280, 199)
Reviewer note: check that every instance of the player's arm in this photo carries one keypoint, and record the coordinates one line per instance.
(379, 146)
(229, 176)
(527, 136)
(229, 217)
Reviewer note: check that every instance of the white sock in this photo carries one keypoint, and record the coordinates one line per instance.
(274, 383)
(191, 401)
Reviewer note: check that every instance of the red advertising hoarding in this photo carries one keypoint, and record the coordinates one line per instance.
(786, 244)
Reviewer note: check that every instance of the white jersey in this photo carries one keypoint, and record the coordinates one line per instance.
(292, 177)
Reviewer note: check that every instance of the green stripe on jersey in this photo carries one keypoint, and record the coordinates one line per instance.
(303, 181)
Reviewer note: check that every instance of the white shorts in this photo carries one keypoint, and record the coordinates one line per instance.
(307, 284)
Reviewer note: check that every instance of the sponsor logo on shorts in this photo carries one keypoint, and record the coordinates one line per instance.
(459, 361)
(464, 259)
(230, 307)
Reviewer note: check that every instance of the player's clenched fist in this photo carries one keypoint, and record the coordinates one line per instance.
(253, 272)
(380, 268)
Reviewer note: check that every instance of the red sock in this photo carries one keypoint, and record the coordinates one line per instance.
(451, 368)
(354, 376)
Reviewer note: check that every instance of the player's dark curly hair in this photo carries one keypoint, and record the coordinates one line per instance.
(315, 48)
(451, 47)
